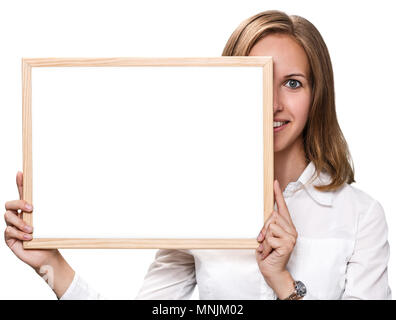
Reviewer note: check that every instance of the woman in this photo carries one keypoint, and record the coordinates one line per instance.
(325, 239)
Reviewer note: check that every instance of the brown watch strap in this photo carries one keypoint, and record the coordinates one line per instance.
(294, 295)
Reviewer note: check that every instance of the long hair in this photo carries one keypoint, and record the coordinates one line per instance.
(324, 143)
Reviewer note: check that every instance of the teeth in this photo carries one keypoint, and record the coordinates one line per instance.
(278, 124)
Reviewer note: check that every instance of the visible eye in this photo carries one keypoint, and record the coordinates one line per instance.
(293, 84)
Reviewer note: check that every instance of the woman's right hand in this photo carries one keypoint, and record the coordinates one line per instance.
(46, 262)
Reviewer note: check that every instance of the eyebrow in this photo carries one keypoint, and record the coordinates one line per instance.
(295, 75)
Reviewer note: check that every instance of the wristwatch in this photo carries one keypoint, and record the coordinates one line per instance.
(299, 291)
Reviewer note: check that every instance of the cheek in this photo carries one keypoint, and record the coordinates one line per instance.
(298, 106)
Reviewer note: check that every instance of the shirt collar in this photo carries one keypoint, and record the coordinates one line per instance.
(308, 180)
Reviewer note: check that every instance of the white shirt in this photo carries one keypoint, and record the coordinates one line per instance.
(341, 252)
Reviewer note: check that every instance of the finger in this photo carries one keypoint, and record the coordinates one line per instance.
(264, 249)
(281, 221)
(275, 243)
(280, 246)
(18, 204)
(268, 244)
(12, 233)
(19, 181)
(280, 202)
(278, 232)
(12, 220)
(261, 235)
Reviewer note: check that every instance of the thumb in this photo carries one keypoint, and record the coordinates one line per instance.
(19, 182)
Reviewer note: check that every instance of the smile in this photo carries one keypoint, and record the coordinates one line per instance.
(280, 125)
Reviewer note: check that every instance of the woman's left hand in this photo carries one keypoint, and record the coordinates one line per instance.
(277, 240)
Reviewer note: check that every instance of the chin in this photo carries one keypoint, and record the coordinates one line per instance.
(277, 150)
(281, 145)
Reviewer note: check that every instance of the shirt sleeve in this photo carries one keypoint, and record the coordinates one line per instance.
(80, 290)
(367, 269)
(170, 277)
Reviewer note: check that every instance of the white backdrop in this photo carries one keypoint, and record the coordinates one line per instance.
(360, 38)
(161, 148)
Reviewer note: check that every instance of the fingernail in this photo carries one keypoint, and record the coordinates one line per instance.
(260, 237)
(28, 228)
(260, 247)
(27, 236)
(28, 206)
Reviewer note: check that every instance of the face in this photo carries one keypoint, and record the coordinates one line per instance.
(292, 91)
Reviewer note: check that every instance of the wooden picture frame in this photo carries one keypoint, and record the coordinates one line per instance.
(47, 243)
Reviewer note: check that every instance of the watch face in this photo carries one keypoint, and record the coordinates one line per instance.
(300, 288)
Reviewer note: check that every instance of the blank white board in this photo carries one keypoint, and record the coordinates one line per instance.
(158, 152)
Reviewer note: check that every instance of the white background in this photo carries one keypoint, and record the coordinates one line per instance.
(360, 38)
(162, 149)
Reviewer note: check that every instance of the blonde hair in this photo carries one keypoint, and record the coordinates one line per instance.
(324, 143)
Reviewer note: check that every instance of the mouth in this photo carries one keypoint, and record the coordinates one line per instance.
(279, 125)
